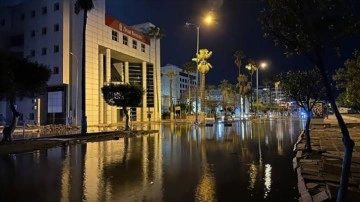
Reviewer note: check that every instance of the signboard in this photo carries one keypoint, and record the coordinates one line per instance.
(125, 29)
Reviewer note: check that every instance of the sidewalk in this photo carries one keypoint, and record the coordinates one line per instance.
(319, 172)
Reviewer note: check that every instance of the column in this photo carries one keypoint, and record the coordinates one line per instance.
(156, 101)
(101, 84)
(144, 102)
(107, 80)
(126, 72)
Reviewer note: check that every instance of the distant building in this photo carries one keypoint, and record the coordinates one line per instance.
(180, 83)
(49, 32)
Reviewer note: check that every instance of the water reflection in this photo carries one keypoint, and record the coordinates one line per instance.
(247, 160)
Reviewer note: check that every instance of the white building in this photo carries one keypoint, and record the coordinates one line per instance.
(49, 32)
(180, 83)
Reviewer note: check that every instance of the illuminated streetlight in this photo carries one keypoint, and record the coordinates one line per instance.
(208, 20)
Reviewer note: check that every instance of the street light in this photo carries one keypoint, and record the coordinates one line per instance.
(197, 70)
(262, 65)
(77, 85)
(209, 19)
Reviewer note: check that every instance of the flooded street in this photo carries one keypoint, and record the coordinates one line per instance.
(248, 161)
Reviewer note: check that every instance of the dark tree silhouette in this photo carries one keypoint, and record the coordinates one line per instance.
(85, 6)
(306, 88)
(123, 95)
(20, 78)
(313, 28)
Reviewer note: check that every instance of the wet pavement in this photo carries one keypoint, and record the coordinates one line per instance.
(247, 161)
(319, 173)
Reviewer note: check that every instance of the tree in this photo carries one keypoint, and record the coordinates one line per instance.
(203, 66)
(348, 80)
(252, 67)
(85, 6)
(123, 95)
(306, 88)
(244, 89)
(171, 75)
(239, 56)
(226, 91)
(210, 103)
(312, 29)
(157, 34)
(20, 78)
(188, 68)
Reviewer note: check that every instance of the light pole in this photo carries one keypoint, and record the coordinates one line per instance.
(197, 70)
(262, 65)
(77, 86)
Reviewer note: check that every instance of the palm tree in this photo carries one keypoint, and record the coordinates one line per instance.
(252, 67)
(244, 89)
(203, 66)
(171, 75)
(85, 6)
(239, 55)
(188, 68)
(157, 34)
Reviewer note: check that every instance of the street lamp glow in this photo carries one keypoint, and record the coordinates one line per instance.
(208, 20)
(263, 64)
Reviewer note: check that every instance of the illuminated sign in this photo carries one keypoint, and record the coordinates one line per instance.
(117, 25)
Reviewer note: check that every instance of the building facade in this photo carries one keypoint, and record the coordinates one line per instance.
(180, 86)
(49, 32)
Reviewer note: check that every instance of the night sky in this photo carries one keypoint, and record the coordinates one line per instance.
(236, 28)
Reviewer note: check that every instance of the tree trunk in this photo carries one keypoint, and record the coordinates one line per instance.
(202, 93)
(9, 130)
(347, 141)
(126, 112)
(189, 92)
(83, 75)
(171, 102)
(307, 131)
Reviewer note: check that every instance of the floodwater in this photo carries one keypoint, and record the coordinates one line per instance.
(248, 161)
